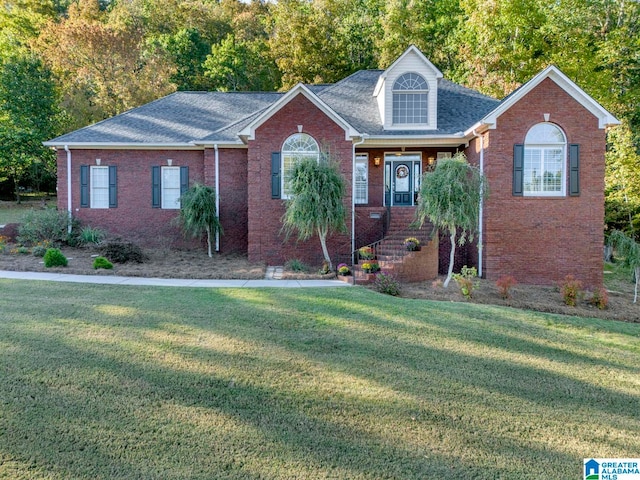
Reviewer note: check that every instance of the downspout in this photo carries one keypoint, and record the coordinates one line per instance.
(353, 198)
(217, 187)
(481, 209)
(69, 204)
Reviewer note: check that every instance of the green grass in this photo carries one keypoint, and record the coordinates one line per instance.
(104, 382)
(13, 213)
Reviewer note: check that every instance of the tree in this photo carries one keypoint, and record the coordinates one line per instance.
(628, 248)
(198, 213)
(316, 203)
(450, 199)
(29, 115)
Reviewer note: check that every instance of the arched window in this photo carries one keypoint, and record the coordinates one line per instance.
(544, 168)
(410, 93)
(296, 148)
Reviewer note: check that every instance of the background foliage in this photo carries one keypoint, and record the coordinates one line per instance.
(107, 56)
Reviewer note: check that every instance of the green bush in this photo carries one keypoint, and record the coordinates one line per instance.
(387, 283)
(101, 262)
(122, 252)
(55, 258)
(45, 225)
(296, 265)
(39, 251)
(90, 235)
(466, 280)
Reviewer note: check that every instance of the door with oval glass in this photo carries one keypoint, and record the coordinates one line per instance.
(402, 175)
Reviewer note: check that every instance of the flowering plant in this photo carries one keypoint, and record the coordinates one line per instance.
(366, 267)
(366, 253)
(343, 269)
(412, 244)
(375, 267)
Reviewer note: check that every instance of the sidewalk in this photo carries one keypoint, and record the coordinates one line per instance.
(170, 282)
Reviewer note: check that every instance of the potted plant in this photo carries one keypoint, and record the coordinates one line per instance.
(375, 267)
(343, 270)
(412, 244)
(366, 267)
(366, 253)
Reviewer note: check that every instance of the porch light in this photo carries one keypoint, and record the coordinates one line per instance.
(376, 161)
(431, 160)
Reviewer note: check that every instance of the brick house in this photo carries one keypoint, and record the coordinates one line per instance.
(541, 148)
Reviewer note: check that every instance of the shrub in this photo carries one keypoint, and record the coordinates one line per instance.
(101, 262)
(505, 284)
(466, 281)
(366, 266)
(41, 225)
(571, 290)
(90, 235)
(412, 244)
(3, 243)
(39, 251)
(55, 258)
(296, 265)
(436, 284)
(375, 267)
(599, 298)
(21, 250)
(325, 269)
(122, 252)
(387, 283)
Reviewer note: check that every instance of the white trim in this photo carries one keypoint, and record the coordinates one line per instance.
(164, 203)
(395, 156)
(605, 118)
(411, 49)
(249, 131)
(362, 158)
(217, 187)
(92, 187)
(128, 146)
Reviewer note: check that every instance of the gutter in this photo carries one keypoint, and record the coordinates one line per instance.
(217, 187)
(481, 207)
(353, 196)
(69, 204)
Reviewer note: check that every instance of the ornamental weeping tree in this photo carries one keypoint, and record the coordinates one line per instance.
(198, 213)
(629, 249)
(316, 202)
(450, 199)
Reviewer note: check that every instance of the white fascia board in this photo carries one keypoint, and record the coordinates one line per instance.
(605, 118)
(416, 50)
(122, 146)
(416, 140)
(250, 130)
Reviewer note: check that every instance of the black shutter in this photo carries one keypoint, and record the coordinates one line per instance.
(518, 170)
(84, 185)
(275, 175)
(574, 170)
(184, 179)
(155, 187)
(113, 186)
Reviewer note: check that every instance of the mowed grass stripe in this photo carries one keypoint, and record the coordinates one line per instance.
(150, 382)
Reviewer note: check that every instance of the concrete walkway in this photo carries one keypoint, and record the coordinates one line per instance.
(170, 282)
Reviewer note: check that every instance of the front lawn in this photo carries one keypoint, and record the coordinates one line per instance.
(109, 382)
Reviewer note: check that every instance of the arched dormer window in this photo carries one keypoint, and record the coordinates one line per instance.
(544, 168)
(296, 148)
(410, 94)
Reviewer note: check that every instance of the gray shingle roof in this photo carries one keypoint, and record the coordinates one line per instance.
(184, 118)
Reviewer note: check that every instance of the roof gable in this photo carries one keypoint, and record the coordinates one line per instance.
(553, 73)
(248, 132)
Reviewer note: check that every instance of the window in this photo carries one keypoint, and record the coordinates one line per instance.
(410, 93)
(362, 178)
(544, 161)
(167, 185)
(98, 186)
(170, 187)
(296, 148)
(99, 182)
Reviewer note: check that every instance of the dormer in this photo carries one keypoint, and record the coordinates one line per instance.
(407, 93)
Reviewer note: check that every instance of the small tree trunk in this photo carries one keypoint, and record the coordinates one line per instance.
(452, 256)
(322, 233)
(635, 292)
(209, 240)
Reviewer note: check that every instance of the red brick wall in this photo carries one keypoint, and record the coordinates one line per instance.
(134, 218)
(265, 240)
(233, 195)
(540, 240)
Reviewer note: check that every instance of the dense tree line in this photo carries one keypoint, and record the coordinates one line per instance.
(90, 59)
